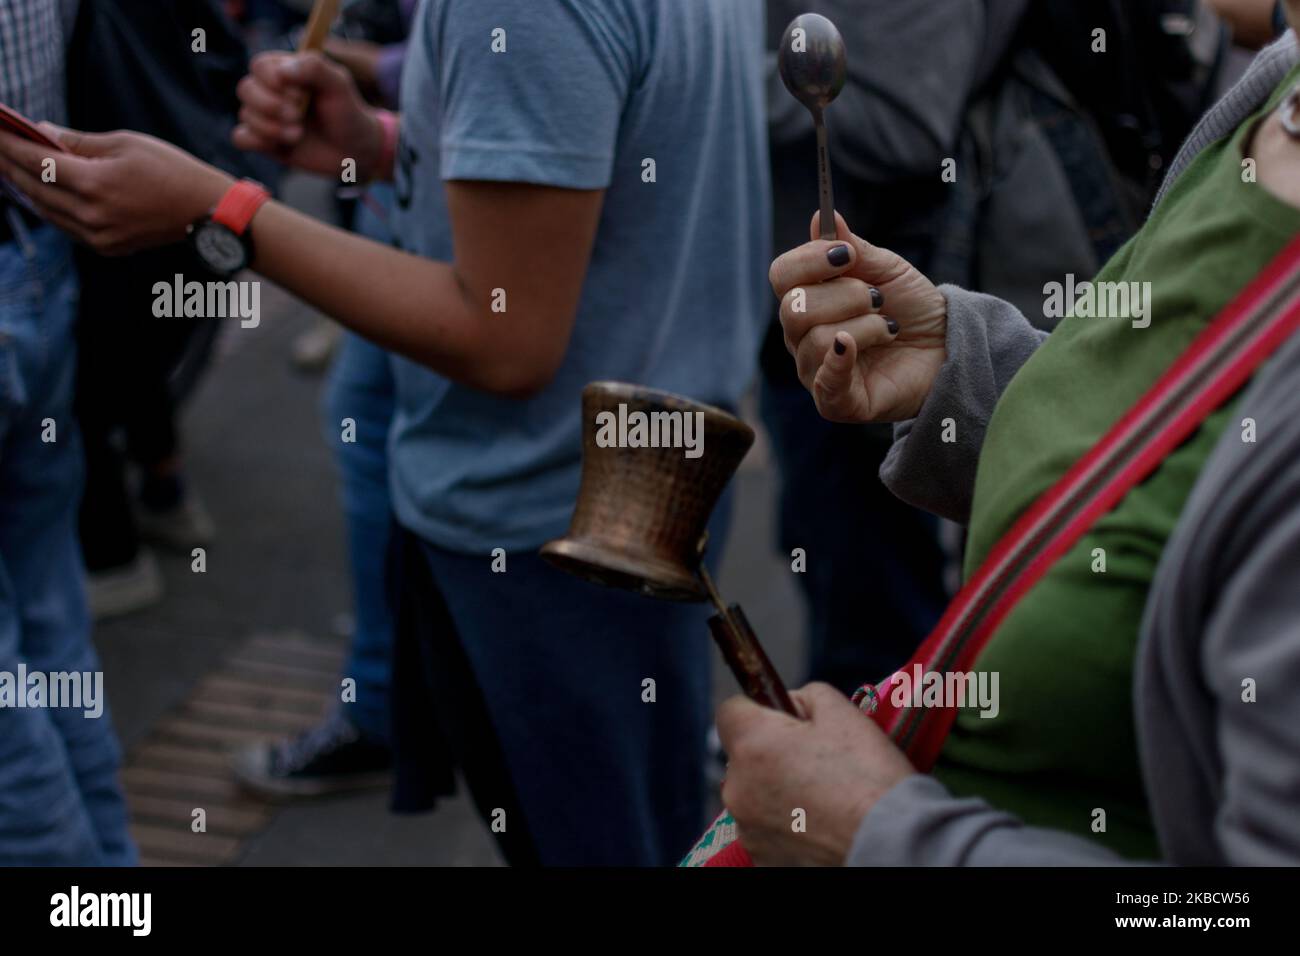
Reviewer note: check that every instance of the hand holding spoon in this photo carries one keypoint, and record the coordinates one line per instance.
(813, 69)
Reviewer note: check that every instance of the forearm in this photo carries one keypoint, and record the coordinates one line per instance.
(1252, 22)
(414, 306)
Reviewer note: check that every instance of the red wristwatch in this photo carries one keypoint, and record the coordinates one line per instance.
(221, 239)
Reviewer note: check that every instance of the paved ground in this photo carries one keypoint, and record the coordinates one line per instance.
(257, 458)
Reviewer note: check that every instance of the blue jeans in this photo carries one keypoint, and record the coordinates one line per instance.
(60, 801)
(361, 388)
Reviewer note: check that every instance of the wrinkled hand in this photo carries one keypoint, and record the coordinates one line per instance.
(116, 192)
(338, 124)
(859, 367)
(834, 765)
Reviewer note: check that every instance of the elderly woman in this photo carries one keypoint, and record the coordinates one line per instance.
(1147, 680)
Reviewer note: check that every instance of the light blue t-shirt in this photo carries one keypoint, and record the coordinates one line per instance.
(676, 293)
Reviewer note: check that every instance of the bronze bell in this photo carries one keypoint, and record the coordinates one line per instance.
(653, 467)
(642, 512)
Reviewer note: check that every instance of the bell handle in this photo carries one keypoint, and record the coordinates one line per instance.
(748, 661)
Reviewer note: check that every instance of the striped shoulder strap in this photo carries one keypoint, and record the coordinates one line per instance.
(1217, 363)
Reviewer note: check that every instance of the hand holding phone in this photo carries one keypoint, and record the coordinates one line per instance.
(11, 121)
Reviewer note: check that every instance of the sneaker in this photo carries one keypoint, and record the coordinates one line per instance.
(332, 757)
(133, 587)
(181, 527)
(313, 350)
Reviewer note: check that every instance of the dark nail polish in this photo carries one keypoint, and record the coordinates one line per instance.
(892, 326)
(877, 298)
(839, 256)
(839, 347)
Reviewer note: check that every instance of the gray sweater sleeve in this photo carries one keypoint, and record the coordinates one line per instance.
(919, 823)
(932, 462)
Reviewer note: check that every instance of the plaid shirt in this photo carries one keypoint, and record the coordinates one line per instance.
(33, 35)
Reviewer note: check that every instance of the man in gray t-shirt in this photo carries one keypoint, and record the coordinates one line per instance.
(657, 103)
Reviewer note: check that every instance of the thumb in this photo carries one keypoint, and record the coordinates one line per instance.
(82, 144)
(875, 264)
(312, 71)
(842, 230)
(834, 379)
(822, 701)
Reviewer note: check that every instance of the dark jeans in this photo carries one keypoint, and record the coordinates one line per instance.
(874, 578)
(532, 682)
(126, 397)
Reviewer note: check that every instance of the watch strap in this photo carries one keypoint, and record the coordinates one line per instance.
(239, 205)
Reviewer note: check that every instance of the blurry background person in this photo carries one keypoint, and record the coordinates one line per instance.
(351, 748)
(1253, 23)
(603, 184)
(132, 65)
(60, 800)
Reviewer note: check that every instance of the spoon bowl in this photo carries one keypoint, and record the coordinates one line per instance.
(812, 61)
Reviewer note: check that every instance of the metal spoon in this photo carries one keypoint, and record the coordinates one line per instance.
(812, 67)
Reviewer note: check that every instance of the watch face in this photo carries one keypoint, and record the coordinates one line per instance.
(220, 249)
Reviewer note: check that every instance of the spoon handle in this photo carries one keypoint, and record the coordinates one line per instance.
(828, 230)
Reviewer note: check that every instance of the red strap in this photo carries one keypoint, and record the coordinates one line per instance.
(239, 205)
(1217, 363)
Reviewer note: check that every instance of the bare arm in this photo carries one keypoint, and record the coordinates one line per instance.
(531, 242)
(119, 192)
(1251, 21)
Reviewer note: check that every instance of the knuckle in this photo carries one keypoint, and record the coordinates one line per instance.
(790, 314)
(95, 219)
(776, 276)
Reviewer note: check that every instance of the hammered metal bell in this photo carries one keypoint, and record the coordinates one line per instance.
(643, 508)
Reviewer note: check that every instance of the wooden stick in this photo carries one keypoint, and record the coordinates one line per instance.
(323, 15)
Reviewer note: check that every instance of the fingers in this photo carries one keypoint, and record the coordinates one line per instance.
(270, 115)
(269, 70)
(842, 230)
(820, 700)
(875, 264)
(809, 264)
(734, 715)
(314, 72)
(22, 163)
(820, 260)
(866, 332)
(827, 303)
(264, 101)
(738, 716)
(82, 144)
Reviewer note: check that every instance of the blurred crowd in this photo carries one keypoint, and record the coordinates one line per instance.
(993, 147)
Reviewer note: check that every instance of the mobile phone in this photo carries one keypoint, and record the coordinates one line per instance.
(11, 121)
